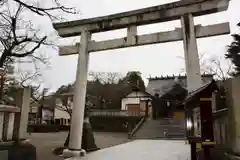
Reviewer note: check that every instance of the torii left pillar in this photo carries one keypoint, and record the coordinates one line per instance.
(76, 130)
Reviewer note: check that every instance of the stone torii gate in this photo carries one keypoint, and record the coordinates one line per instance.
(184, 10)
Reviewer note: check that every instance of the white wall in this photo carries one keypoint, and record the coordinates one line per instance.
(47, 114)
(126, 101)
(34, 109)
(61, 114)
(132, 98)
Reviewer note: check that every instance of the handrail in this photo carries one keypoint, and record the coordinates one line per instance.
(220, 110)
(139, 124)
(220, 113)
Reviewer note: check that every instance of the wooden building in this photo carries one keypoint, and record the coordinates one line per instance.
(171, 91)
(135, 102)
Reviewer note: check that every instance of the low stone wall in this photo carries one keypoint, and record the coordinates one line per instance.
(114, 124)
(43, 128)
(17, 151)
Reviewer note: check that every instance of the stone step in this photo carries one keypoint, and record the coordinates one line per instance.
(161, 129)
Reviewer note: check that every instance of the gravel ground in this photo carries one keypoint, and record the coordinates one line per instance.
(45, 142)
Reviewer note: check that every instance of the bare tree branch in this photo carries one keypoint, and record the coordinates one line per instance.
(13, 41)
(30, 51)
(20, 39)
(105, 77)
(64, 109)
(66, 104)
(46, 11)
(215, 66)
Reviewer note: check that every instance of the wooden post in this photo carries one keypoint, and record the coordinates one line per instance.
(146, 108)
(206, 126)
(193, 151)
(1, 125)
(207, 154)
(2, 87)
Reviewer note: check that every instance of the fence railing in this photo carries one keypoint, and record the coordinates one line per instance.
(115, 113)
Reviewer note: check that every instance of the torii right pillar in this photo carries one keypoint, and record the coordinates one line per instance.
(191, 53)
(192, 63)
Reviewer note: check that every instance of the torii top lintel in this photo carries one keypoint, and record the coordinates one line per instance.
(156, 14)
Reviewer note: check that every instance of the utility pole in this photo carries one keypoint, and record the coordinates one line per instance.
(41, 105)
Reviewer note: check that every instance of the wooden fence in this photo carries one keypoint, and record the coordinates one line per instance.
(221, 127)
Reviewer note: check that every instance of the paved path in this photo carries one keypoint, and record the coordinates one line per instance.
(45, 142)
(143, 150)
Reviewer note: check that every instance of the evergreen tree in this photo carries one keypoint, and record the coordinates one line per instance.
(234, 52)
(135, 81)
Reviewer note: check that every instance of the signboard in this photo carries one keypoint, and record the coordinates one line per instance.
(197, 122)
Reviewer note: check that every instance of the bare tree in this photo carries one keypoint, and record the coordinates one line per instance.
(105, 77)
(38, 7)
(65, 104)
(202, 62)
(220, 67)
(216, 65)
(19, 38)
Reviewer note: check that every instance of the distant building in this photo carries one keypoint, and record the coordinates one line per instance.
(163, 84)
(61, 110)
(61, 114)
(135, 102)
(172, 91)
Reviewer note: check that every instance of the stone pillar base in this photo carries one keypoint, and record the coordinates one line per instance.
(67, 153)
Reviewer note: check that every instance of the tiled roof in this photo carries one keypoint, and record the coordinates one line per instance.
(175, 76)
(202, 88)
(165, 84)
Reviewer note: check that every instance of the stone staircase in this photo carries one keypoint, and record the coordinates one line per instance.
(161, 129)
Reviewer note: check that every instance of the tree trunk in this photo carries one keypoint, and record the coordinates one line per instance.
(2, 87)
(3, 59)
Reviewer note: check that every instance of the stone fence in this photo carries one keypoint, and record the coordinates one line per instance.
(8, 114)
(14, 119)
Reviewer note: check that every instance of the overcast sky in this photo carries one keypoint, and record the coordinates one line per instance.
(154, 60)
